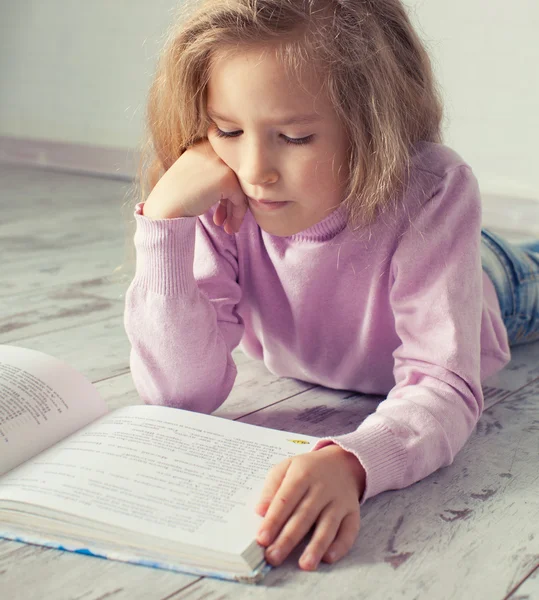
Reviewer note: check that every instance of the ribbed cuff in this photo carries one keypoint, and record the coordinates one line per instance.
(165, 253)
(379, 452)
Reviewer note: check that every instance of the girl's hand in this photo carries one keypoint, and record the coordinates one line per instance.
(193, 184)
(322, 487)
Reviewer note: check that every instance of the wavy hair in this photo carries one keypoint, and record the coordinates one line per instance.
(372, 63)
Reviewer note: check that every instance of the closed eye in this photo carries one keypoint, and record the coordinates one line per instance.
(293, 141)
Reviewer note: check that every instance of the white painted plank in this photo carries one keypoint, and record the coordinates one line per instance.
(34, 573)
(59, 228)
(59, 307)
(80, 263)
(522, 369)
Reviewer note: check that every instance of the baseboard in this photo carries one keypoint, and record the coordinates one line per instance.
(500, 211)
(103, 161)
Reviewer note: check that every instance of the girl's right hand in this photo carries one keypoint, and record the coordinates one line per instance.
(193, 184)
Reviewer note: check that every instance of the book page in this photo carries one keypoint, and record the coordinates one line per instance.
(176, 474)
(42, 400)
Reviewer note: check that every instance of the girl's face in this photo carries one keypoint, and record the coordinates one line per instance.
(283, 140)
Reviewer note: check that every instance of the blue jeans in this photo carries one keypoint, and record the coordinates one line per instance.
(514, 271)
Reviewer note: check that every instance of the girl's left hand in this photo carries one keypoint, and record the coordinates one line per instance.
(322, 487)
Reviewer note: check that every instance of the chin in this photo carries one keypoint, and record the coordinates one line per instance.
(277, 229)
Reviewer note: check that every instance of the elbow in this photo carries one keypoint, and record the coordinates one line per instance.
(197, 395)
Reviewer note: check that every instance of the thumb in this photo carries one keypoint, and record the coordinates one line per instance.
(271, 485)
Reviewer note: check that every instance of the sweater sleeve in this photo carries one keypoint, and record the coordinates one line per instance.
(180, 312)
(436, 297)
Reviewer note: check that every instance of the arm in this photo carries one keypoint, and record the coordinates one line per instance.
(436, 295)
(180, 312)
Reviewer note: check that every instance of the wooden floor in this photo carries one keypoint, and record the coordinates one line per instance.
(469, 531)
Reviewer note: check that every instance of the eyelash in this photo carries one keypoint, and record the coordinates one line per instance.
(292, 141)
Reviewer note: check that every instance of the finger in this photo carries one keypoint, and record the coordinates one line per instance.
(271, 485)
(288, 496)
(238, 212)
(306, 514)
(239, 203)
(345, 538)
(223, 213)
(228, 224)
(324, 534)
(219, 215)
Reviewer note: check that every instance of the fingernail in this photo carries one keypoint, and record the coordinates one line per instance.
(275, 554)
(264, 537)
(308, 561)
(262, 507)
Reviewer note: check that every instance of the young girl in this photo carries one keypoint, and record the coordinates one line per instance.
(302, 204)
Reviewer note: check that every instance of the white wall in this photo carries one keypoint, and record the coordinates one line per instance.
(486, 55)
(79, 72)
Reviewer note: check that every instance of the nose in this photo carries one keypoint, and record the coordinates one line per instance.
(257, 166)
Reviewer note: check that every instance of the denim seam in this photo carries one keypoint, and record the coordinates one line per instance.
(503, 259)
(529, 278)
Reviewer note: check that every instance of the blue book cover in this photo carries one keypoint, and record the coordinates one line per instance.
(253, 577)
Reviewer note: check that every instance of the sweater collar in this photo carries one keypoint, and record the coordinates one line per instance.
(324, 230)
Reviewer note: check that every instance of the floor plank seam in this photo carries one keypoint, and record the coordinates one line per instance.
(521, 582)
(44, 333)
(507, 398)
(121, 374)
(182, 589)
(276, 403)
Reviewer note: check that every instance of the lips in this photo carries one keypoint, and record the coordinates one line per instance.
(266, 205)
(265, 201)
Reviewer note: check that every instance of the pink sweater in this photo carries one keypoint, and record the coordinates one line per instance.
(405, 311)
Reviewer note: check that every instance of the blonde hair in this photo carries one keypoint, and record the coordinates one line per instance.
(370, 60)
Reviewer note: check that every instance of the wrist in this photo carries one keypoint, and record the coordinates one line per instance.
(154, 210)
(352, 461)
(359, 473)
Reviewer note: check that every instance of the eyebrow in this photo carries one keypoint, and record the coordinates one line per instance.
(292, 120)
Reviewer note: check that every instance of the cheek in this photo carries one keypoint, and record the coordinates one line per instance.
(222, 151)
(333, 171)
(319, 174)
(309, 175)
(214, 143)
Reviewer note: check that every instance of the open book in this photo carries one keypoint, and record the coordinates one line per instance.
(150, 485)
